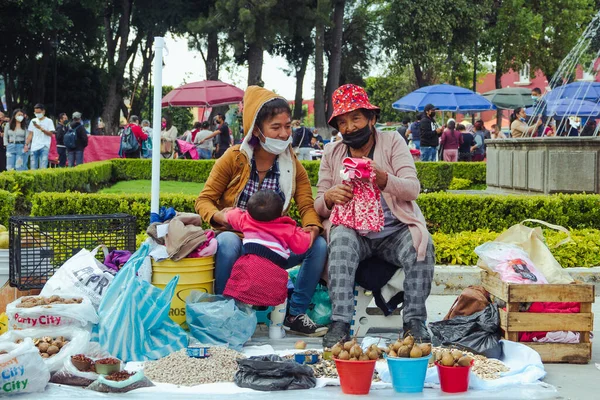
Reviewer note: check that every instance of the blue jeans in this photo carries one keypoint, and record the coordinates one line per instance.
(39, 158)
(428, 153)
(313, 261)
(205, 154)
(417, 144)
(75, 157)
(15, 158)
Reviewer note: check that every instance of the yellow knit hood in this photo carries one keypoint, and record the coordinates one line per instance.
(254, 98)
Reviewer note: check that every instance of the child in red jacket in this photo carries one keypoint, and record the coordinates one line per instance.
(258, 277)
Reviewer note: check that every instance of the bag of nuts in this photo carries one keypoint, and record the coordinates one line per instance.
(52, 311)
(22, 368)
(55, 345)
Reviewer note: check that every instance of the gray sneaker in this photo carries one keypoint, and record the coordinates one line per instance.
(338, 332)
(303, 325)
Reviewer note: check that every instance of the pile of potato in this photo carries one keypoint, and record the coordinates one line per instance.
(453, 358)
(351, 351)
(407, 348)
(34, 301)
(48, 346)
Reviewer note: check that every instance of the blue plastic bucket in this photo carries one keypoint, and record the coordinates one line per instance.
(408, 374)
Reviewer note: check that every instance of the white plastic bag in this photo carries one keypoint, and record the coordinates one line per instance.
(82, 273)
(22, 369)
(511, 262)
(78, 342)
(79, 315)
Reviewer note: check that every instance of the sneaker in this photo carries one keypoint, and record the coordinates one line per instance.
(338, 332)
(417, 329)
(303, 325)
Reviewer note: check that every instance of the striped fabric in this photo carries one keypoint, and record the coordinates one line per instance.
(134, 316)
(272, 245)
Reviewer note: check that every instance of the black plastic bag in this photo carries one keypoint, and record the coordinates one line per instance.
(478, 333)
(271, 372)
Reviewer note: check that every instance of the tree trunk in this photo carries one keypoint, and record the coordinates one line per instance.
(320, 122)
(419, 75)
(335, 61)
(212, 57)
(498, 85)
(299, 85)
(41, 70)
(255, 64)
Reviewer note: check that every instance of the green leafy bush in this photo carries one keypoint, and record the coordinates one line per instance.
(434, 176)
(7, 206)
(170, 170)
(473, 171)
(451, 213)
(459, 184)
(458, 248)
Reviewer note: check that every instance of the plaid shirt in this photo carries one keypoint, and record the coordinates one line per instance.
(271, 182)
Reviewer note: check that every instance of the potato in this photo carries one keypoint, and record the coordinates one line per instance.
(43, 347)
(53, 350)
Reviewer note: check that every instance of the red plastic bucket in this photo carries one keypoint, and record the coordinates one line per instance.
(454, 379)
(355, 376)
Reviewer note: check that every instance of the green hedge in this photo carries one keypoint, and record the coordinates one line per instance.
(460, 184)
(458, 248)
(434, 176)
(7, 206)
(450, 213)
(473, 171)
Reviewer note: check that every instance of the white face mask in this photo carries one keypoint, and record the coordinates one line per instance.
(275, 146)
(19, 118)
(39, 115)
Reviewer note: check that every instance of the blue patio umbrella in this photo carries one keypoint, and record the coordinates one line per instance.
(445, 98)
(569, 107)
(589, 91)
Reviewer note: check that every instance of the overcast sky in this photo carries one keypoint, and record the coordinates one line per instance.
(184, 65)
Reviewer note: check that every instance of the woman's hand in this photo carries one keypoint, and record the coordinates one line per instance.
(314, 233)
(381, 176)
(220, 218)
(339, 194)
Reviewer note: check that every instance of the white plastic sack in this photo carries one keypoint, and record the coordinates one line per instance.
(22, 369)
(81, 315)
(82, 273)
(78, 342)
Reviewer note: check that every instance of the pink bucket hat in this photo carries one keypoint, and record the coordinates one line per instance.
(348, 98)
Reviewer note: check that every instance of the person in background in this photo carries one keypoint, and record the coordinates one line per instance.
(61, 129)
(190, 136)
(136, 129)
(147, 144)
(518, 126)
(430, 132)
(590, 128)
(550, 130)
(223, 135)
(14, 141)
(539, 107)
(75, 156)
(316, 142)
(497, 133)
(301, 141)
(99, 130)
(403, 128)
(478, 149)
(571, 128)
(41, 129)
(168, 135)
(414, 131)
(3, 120)
(464, 150)
(451, 140)
(205, 147)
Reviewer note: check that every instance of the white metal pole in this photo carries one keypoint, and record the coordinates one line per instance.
(159, 43)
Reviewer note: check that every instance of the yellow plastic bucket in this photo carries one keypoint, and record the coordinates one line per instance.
(194, 274)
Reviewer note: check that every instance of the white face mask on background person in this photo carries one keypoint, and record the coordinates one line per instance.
(19, 118)
(39, 115)
(275, 146)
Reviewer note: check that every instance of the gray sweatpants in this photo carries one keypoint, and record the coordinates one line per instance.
(347, 249)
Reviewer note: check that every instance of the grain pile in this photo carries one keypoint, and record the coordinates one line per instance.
(179, 369)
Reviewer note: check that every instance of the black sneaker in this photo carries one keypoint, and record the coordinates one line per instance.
(338, 331)
(418, 330)
(303, 325)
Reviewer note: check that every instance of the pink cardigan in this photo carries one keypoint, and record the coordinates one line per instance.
(402, 189)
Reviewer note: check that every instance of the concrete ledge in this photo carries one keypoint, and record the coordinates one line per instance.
(452, 279)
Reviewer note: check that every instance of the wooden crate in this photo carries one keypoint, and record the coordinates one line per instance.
(513, 322)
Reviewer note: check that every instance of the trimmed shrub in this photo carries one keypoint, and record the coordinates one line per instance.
(7, 206)
(458, 248)
(473, 171)
(434, 176)
(450, 213)
(170, 170)
(459, 184)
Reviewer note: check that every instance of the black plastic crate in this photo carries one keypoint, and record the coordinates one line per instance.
(40, 245)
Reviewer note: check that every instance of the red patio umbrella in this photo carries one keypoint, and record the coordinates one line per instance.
(203, 94)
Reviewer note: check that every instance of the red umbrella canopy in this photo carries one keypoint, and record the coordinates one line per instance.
(203, 94)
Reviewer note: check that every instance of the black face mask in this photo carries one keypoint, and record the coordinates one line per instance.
(357, 139)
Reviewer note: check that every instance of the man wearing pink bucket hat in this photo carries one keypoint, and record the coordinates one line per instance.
(403, 241)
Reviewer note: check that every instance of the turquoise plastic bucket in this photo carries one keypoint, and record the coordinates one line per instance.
(408, 374)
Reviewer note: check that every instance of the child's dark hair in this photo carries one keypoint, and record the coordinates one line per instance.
(265, 205)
